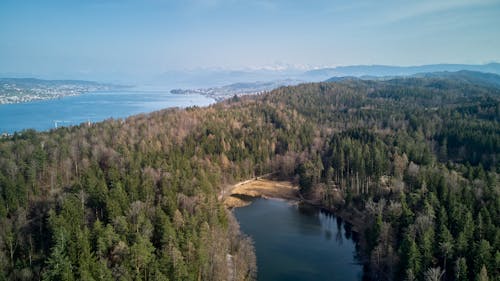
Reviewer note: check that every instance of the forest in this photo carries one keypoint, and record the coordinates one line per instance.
(416, 159)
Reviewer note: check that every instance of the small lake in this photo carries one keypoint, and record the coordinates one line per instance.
(93, 107)
(296, 243)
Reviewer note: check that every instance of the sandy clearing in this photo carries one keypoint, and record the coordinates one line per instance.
(237, 196)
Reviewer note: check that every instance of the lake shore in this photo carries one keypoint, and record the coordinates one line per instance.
(92, 106)
(242, 194)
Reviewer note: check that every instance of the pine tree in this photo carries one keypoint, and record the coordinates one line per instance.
(483, 275)
(59, 267)
(410, 256)
(482, 255)
(141, 254)
(461, 273)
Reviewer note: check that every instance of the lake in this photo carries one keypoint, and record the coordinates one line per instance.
(93, 107)
(296, 243)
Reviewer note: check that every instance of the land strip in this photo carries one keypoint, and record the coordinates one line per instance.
(241, 193)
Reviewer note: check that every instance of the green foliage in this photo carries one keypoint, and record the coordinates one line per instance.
(136, 199)
(410, 257)
(59, 266)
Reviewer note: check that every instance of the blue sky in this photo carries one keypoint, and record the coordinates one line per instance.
(141, 38)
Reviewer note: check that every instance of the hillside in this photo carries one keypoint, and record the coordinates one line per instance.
(466, 76)
(462, 76)
(415, 159)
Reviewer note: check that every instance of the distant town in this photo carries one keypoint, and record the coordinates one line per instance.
(237, 89)
(18, 90)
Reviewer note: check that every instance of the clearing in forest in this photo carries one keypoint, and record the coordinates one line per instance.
(241, 193)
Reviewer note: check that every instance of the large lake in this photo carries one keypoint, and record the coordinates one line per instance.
(94, 107)
(299, 242)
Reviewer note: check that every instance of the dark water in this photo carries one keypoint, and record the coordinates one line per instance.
(299, 242)
(41, 115)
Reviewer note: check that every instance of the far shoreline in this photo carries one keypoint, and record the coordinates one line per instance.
(242, 194)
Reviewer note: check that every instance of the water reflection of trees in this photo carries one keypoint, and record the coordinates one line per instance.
(314, 221)
(308, 220)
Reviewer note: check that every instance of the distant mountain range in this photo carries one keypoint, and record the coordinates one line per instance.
(466, 76)
(207, 78)
(212, 77)
(386, 70)
(220, 83)
(462, 76)
(27, 82)
(249, 88)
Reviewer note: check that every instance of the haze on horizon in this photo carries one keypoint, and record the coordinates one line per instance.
(133, 39)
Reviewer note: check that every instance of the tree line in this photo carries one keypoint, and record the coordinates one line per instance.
(417, 160)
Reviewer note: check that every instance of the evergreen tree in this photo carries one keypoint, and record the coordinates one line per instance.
(59, 266)
(411, 258)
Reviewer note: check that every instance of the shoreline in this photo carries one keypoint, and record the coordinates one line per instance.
(241, 194)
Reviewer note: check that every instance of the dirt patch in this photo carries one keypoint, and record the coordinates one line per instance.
(240, 193)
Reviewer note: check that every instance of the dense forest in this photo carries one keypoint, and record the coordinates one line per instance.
(416, 159)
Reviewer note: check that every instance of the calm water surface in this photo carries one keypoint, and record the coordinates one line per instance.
(299, 242)
(96, 106)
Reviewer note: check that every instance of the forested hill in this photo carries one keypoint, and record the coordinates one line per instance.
(416, 159)
(462, 76)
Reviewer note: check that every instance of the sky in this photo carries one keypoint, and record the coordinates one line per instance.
(144, 38)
